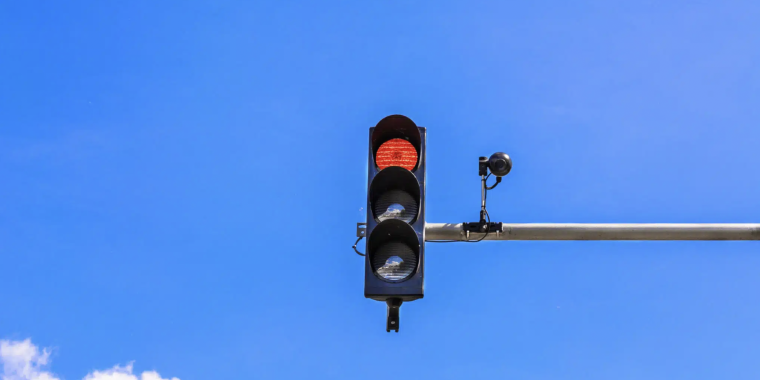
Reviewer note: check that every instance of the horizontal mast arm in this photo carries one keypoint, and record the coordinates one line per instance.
(593, 231)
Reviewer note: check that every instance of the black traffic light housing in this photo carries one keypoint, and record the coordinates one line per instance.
(395, 232)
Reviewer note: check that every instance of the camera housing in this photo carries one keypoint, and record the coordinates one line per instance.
(500, 164)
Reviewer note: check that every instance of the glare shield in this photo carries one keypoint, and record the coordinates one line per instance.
(395, 194)
(392, 141)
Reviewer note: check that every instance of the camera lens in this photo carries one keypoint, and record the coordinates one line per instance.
(500, 164)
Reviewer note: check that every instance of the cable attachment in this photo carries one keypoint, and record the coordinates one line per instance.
(498, 180)
(356, 250)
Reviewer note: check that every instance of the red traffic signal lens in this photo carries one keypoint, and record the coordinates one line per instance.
(396, 152)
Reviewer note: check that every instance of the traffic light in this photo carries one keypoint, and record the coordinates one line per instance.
(395, 253)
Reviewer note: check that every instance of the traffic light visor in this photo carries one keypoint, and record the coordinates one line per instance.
(396, 142)
(395, 194)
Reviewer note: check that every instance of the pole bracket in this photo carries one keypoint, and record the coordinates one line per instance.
(394, 306)
(361, 230)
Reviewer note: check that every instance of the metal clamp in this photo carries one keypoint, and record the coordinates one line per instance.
(496, 227)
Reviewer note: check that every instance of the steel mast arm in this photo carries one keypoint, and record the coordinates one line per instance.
(592, 231)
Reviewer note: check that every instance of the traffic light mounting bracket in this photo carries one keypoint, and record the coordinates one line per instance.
(393, 320)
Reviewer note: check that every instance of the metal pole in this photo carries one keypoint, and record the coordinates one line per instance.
(482, 199)
(582, 231)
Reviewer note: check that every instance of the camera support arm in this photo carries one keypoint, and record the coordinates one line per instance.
(594, 231)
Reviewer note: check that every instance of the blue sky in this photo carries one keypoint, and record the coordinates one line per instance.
(181, 182)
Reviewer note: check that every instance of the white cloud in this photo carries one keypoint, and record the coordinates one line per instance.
(22, 360)
(124, 373)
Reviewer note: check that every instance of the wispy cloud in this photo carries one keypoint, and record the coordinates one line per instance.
(124, 373)
(22, 360)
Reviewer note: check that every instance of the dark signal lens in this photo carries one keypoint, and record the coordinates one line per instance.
(395, 204)
(394, 261)
(393, 251)
(396, 152)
